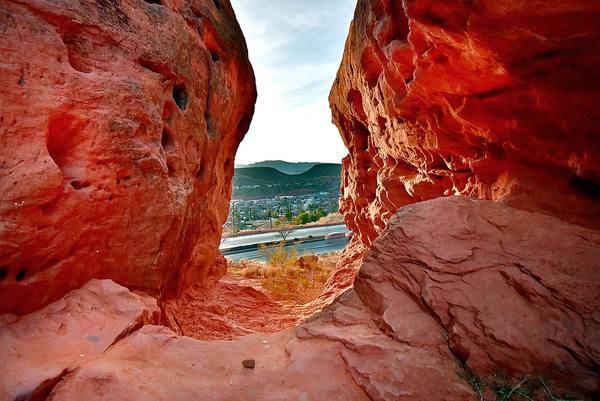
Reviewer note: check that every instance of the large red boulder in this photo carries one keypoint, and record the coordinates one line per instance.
(120, 121)
(38, 349)
(494, 99)
(515, 293)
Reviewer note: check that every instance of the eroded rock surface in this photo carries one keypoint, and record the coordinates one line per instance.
(232, 308)
(493, 99)
(458, 296)
(514, 292)
(119, 123)
(36, 350)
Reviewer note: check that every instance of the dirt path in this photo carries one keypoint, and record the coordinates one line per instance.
(241, 303)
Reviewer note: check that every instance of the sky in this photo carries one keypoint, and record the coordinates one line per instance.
(295, 47)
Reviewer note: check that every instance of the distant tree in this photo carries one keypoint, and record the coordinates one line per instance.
(303, 218)
(283, 227)
(235, 217)
(317, 214)
(270, 216)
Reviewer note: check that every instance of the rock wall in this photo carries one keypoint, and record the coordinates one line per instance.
(119, 123)
(494, 99)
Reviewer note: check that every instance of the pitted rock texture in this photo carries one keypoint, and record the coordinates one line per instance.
(493, 99)
(36, 350)
(457, 296)
(119, 123)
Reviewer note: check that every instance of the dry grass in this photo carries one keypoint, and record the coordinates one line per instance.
(331, 218)
(283, 277)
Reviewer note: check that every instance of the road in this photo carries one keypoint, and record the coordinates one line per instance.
(311, 246)
(299, 233)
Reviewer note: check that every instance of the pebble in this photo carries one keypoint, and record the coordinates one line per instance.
(248, 363)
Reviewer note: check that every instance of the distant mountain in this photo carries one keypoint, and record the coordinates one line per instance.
(322, 170)
(269, 175)
(245, 176)
(263, 182)
(283, 166)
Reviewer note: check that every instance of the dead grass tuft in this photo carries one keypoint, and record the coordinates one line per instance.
(284, 277)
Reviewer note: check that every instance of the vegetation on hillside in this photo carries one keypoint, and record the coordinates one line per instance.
(264, 182)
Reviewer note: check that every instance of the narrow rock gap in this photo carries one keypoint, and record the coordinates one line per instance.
(167, 141)
(3, 272)
(352, 372)
(180, 96)
(586, 187)
(21, 274)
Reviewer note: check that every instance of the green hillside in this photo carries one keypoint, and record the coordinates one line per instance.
(258, 176)
(259, 182)
(322, 170)
(283, 166)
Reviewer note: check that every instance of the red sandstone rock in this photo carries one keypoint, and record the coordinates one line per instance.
(457, 291)
(36, 350)
(493, 99)
(156, 364)
(120, 121)
(515, 292)
(231, 308)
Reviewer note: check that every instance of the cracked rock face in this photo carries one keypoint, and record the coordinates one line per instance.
(493, 99)
(119, 123)
(457, 291)
(515, 292)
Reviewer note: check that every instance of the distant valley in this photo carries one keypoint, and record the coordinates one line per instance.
(273, 178)
(271, 191)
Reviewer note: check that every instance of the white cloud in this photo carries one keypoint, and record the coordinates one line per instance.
(295, 48)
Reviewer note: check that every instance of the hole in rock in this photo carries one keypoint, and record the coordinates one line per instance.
(218, 4)
(209, 123)
(159, 2)
(227, 164)
(355, 98)
(588, 188)
(65, 135)
(20, 276)
(166, 140)
(79, 49)
(214, 56)
(180, 96)
(495, 150)
(170, 169)
(3, 272)
(441, 59)
(434, 19)
(200, 171)
(80, 185)
(371, 65)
